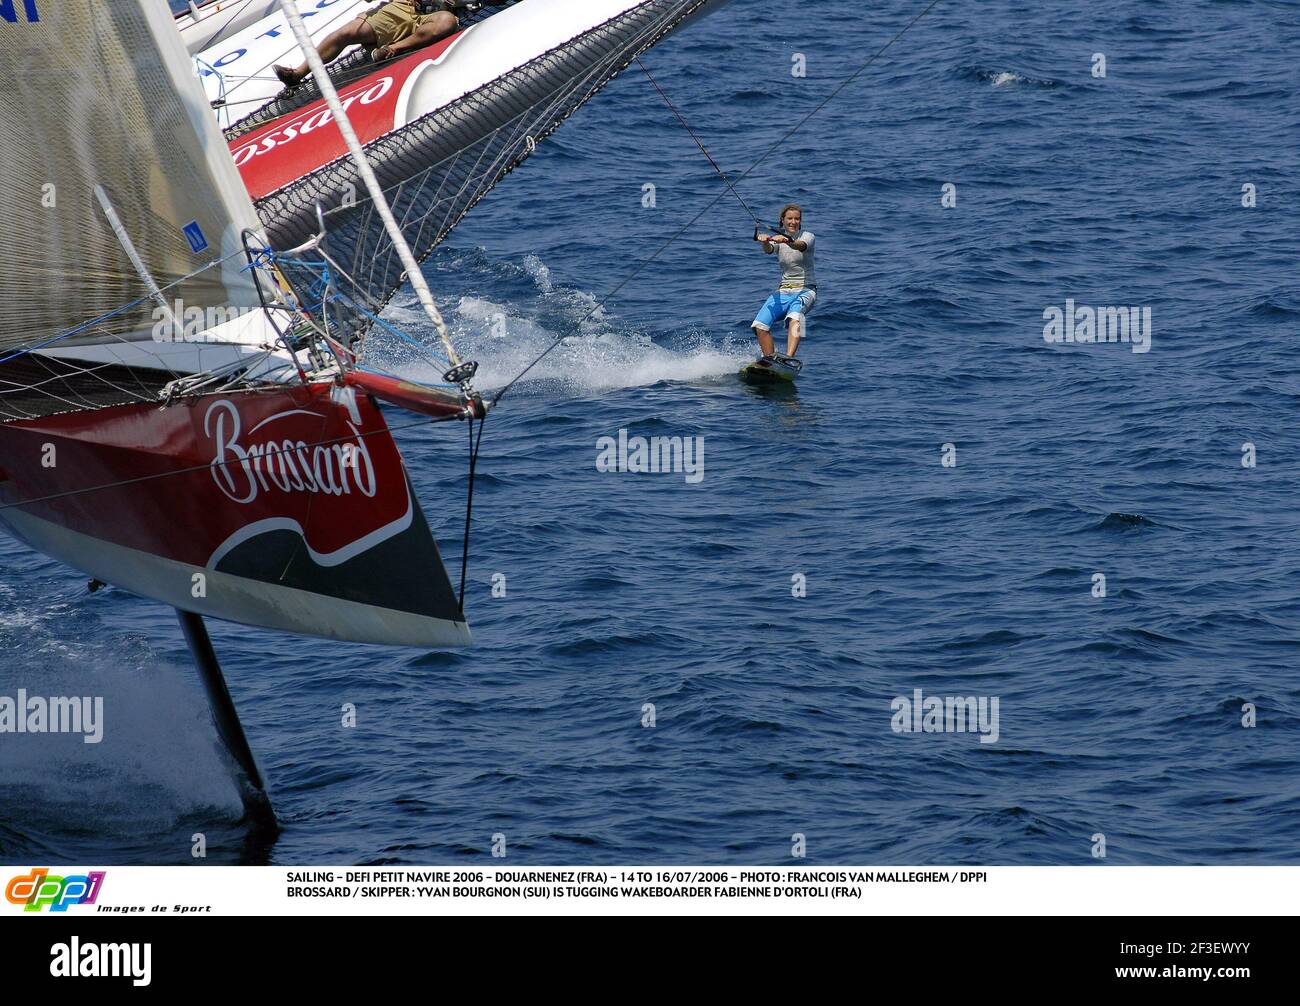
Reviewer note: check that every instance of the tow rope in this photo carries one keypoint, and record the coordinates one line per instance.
(758, 224)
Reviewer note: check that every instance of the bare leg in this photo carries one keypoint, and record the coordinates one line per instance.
(357, 32)
(765, 341)
(794, 332)
(438, 26)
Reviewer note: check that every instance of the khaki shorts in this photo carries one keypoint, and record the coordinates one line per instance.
(395, 22)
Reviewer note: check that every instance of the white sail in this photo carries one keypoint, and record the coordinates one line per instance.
(103, 93)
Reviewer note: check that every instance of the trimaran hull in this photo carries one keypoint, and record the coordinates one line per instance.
(277, 508)
(221, 19)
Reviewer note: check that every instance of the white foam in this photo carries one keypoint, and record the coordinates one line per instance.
(505, 340)
(158, 759)
(540, 272)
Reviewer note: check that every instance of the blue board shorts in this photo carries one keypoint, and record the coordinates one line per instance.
(785, 304)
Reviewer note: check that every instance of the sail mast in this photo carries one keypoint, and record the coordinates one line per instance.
(367, 173)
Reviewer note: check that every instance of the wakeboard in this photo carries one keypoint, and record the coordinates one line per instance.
(771, 370)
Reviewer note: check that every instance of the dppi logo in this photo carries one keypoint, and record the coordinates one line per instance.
(38, 889)
(8, 11)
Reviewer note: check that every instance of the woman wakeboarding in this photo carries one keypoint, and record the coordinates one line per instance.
(798, 291)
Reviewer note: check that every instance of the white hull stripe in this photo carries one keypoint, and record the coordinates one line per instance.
(350, 551)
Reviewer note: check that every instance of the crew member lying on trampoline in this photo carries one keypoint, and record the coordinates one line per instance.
(389, 30)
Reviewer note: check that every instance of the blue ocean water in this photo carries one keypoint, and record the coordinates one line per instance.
(1119, 715)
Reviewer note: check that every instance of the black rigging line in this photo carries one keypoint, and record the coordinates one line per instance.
(714, 201)
(474, 443)
(698, 142)
(220, 33)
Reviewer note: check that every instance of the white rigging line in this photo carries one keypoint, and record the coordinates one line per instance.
(367, 173)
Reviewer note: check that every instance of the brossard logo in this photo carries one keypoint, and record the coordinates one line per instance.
(37, 890)
(243, 471)
(310, 121)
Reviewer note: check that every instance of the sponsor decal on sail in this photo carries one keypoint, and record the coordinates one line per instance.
(195, 236)
(9, 11)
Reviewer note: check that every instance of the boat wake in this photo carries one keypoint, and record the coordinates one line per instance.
(592, 361)
(155, 766)
(506, 335)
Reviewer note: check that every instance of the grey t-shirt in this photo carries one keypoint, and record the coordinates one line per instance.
(796, 266)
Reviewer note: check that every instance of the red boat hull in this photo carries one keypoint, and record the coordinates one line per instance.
(281, 508)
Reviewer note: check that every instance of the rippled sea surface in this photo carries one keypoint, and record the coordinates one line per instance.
(1119, 715)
